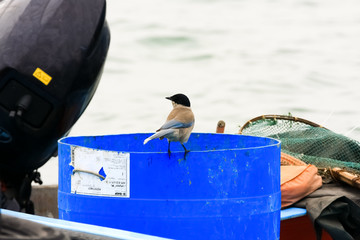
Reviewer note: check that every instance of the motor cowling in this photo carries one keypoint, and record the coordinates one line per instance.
(52, 53)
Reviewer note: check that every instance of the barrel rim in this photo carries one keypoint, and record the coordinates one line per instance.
(274, 142)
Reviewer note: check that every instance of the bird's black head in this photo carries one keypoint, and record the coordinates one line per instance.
(180, 99)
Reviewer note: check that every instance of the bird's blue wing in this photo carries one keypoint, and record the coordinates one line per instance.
(159, 134)
(176, 124)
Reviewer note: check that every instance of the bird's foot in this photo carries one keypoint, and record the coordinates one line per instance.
(185, 153)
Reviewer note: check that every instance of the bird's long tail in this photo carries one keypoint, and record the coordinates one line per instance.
(159, 134)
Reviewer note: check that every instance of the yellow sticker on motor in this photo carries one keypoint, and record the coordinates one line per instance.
(42, 76)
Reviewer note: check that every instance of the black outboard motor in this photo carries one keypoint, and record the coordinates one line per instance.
(51, 57)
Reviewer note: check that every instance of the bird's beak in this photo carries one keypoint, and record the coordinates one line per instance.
(169, 98)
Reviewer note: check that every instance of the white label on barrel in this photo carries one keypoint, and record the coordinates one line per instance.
(99, 172)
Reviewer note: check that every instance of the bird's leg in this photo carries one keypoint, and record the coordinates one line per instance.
(169, 149)
(186, 151)
(185, 148)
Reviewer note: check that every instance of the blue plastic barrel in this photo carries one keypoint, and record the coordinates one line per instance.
(227, 187)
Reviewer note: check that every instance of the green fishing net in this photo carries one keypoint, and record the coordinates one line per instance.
(307, 141)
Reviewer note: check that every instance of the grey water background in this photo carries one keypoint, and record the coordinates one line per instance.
(234, 59)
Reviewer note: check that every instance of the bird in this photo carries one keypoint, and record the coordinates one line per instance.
(179, 123)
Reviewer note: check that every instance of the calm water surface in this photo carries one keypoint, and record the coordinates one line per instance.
(234, 59)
